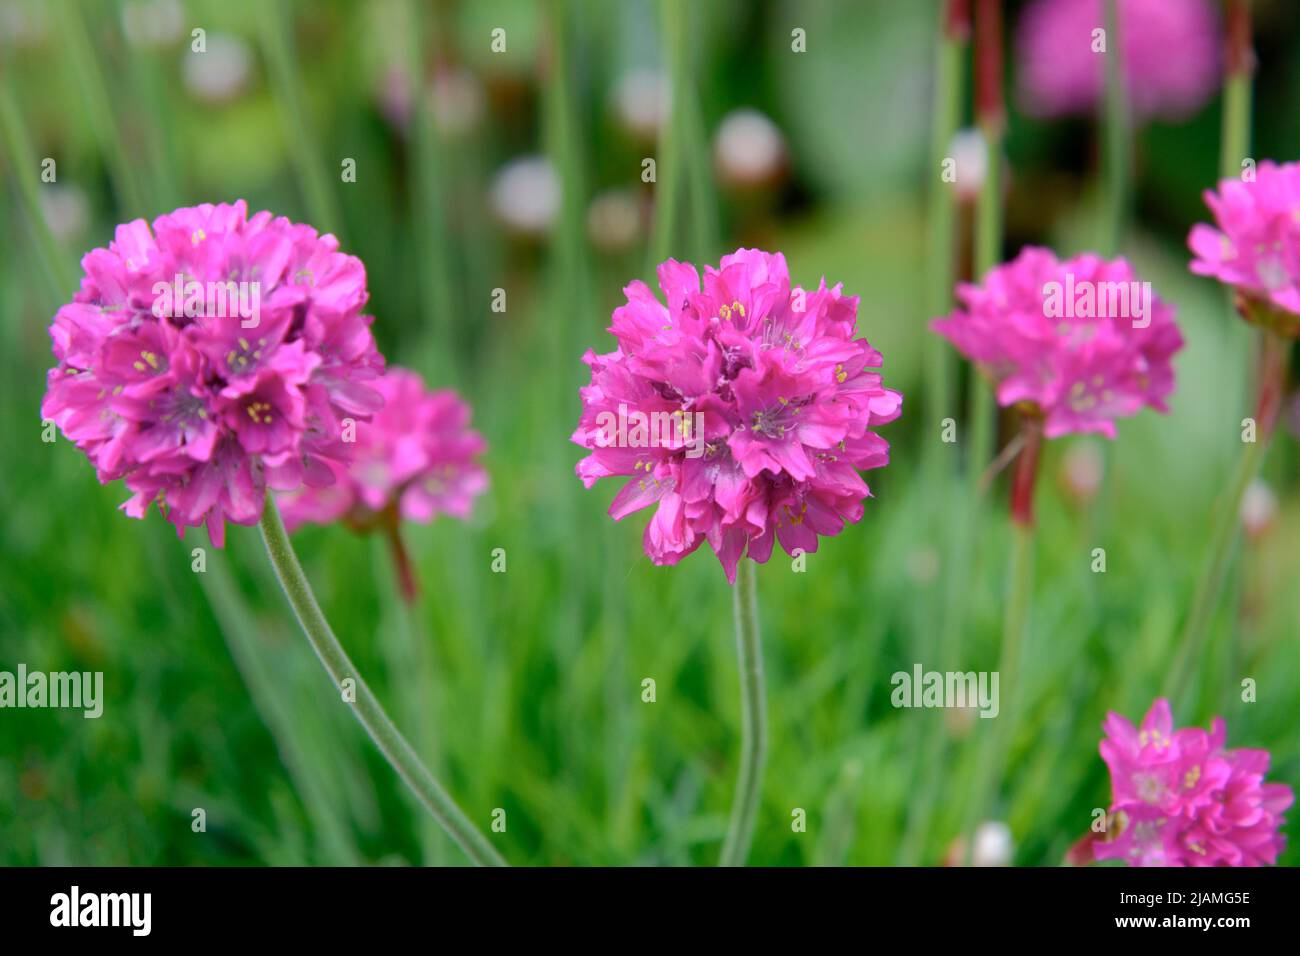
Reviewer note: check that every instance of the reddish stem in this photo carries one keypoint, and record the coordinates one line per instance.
(1025, 477)
(1274, 357)
(957, 20)
(407, 583)
(989, 108)
(1239, 59)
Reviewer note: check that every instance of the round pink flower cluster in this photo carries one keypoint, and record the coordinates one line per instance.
(1172, 55)
(1081, 341)
(1256, 247)
(416, 457)
(212, 358)
(1181, 799)
(743, 410)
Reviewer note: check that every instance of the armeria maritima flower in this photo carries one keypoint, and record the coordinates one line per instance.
(1081, 342)
(417, 456)
(1172, 51)
(212, 357)
(1256, 245)
(1180, 798)
(743, 410)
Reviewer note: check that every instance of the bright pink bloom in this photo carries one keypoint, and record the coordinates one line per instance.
(1181, 799)
(212, 358)
(1256, 247)
(743, 411)
(1082, 342)
(417, 456)
(1172, 54)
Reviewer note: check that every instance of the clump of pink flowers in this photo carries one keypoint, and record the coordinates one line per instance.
(743, 408)
(415, 459)
(1078, 342)
(213, 357)
(1171, 56)
(1255, 243)
(1180, 798)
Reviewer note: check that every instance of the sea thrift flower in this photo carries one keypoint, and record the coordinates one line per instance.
(416, 458)
(748, 405)
(1256, 245)
(1078, 342)
(212, 358)
(1181, 799)
(1171, 56)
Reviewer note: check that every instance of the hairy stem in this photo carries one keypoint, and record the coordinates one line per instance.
(753, 720)
(395, 748)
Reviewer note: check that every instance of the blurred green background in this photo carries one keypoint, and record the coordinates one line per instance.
(524, 688)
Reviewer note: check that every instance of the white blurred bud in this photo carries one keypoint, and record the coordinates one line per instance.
(748, 149)
(640, 101)
(66, 211)
(970, 153)
(457, 99)
(152, 24)
(22, 24)
(393, 95)
(993, 844)
(222, 72)
(614, 220)
(1258, 509)
(526, 195)
(1082, 469)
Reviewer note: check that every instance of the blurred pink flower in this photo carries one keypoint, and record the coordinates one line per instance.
(1080, 341)
(1172, 55)
(211, 358)
(1181, 799)
(743, 411)
(1256, 245)
(417, 456)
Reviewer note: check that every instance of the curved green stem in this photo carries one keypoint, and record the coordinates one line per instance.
(395, 748)
(753, 722)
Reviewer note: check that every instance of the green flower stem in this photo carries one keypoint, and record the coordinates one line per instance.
(941, 213)
(284, 73)
(395, 748)
(430, 222)
(1274, 354)
(753, 719)
(93, 83)
(941, 273)
(1234, 141)
(670, 171)
(1117, 138)
(26, 171)
(991, 114)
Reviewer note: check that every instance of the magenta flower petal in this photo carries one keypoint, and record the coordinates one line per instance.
(210, 357)
(740, 407)
(1180, 798)
(1080, 342)
(417, 456)
(1060, 72)
(1255, 245)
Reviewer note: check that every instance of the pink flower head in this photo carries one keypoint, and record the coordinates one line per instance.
(1181, 799)
(211, 358)
(744, 411)
(416, 458)
(1080, 342)
(1256, 247)
(1172, 51)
